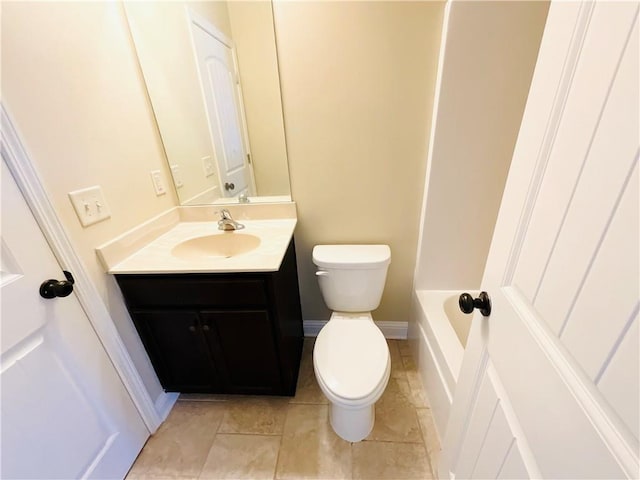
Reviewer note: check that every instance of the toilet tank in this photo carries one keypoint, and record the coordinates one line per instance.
(351, 277)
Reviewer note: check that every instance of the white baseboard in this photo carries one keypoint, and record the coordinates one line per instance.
(391, 330)
(164, 403)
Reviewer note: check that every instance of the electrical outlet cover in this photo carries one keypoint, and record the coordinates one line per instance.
(158, 184)
(207, 165)
(177, 176)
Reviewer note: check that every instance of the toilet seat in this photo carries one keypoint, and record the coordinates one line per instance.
(354, 372)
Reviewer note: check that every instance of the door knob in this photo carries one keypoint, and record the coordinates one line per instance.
(229, 186)
(483, 303)
(53, 288)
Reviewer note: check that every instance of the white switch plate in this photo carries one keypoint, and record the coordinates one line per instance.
(90, 205)
(158, 184)
(177, 176)
(207, 165)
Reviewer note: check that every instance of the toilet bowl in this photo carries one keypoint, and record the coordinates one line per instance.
(352, 365)
(351, 357)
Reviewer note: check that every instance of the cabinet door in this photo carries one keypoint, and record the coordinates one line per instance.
(244, 349)
(178, 350)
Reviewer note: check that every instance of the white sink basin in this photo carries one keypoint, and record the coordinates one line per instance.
(199, 247)
(225, 245)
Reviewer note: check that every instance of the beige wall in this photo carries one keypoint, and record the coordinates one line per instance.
(357, 85)
(491, 49)
(71, 84)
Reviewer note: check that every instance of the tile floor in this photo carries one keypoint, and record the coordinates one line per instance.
(231, 437)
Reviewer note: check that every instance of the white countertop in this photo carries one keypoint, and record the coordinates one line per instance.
(156, 257)
(148, 248)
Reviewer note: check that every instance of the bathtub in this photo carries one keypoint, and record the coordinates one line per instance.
(439, 331)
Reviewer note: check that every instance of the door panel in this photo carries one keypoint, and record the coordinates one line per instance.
(604, 171)
(569, 144)
(65, 412)
(598, 309)
(75, 434)
(221, 82)
(513, 467)
(553, 400)
(225, 112)
(496, 446)
(619, 383)
(490, 442)
(560, 349)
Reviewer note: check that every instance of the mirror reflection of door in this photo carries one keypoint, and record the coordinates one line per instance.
(223, 101)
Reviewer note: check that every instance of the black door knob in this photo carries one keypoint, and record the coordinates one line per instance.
(468, 303)
(229, 186)
(53, 288)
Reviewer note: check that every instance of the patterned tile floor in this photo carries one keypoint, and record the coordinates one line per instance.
(231, 437)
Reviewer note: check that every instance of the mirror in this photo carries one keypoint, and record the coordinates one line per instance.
(211, 73)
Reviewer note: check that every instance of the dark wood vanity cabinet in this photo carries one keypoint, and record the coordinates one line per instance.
(220, 333)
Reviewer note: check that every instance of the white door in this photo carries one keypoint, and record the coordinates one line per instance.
(549, 382)
(220, 87)
(64, 411)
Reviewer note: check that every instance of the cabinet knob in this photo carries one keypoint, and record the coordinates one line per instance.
(192, 328)
(205, 327)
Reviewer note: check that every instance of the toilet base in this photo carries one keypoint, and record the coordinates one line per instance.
(352, 424)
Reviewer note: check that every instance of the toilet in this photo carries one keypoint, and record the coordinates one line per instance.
(351, 357)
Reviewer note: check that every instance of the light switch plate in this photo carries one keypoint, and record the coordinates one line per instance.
(207, 165)
(177, 175)
(158, 184)
(90, 205)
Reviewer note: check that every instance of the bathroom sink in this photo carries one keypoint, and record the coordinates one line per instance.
(225, 245)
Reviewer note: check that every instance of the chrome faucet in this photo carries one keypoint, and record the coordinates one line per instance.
(227, 222)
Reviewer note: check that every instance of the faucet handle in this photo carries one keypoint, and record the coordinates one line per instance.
(227, 222)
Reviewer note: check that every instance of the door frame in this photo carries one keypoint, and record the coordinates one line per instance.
(32, 188)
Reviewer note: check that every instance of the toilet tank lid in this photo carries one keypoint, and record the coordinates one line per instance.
(351, 256)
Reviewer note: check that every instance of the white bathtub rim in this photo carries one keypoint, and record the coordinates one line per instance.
(439, 330)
